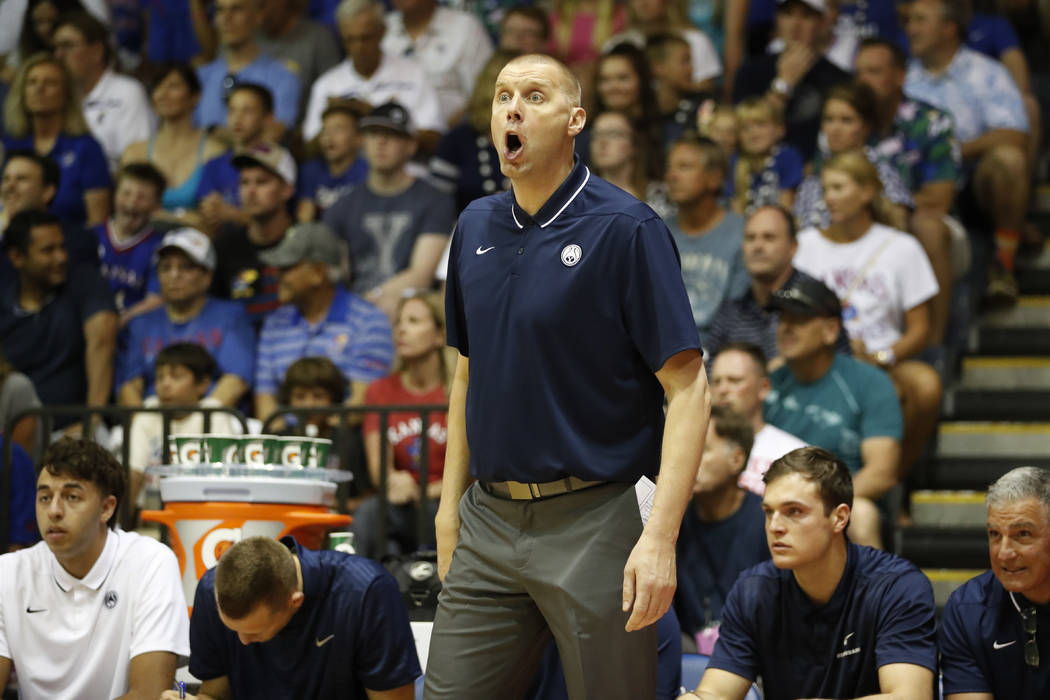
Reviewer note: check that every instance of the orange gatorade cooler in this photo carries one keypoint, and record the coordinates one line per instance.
(205, 515)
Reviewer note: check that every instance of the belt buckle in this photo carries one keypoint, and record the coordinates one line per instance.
(519, 491)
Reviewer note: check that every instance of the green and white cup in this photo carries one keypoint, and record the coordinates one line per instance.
(224, 449)
(320, 448)
(187, 449)
(295, 451)
(261, 450)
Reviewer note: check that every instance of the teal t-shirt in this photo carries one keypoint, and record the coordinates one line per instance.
(852, 402)
(712, 266)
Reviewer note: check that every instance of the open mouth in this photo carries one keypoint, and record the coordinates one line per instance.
(514, 146)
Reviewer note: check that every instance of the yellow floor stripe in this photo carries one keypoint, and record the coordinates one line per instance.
(1006, 363)
(948, 497)
(970, 428)
(1033, 302)
(951, 575)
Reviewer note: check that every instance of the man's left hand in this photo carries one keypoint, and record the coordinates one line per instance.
(649, 580)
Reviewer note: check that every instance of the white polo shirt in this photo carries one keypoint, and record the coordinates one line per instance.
(451, 51)
(72, 638)
(118, 113)
(397, 78)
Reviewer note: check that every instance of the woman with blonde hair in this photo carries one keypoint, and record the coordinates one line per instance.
(466, 163)
(764, 170)
(885, 282)
(420, 377)
(42, 114)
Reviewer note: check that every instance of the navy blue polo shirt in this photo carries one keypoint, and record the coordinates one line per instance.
(58, 373)
(982, 642)
(565, 317)
(351, 633)
(881, 613)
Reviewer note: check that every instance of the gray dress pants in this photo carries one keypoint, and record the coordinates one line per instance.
(524, 570)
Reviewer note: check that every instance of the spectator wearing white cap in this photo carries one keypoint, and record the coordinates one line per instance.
(267, 186)
(395, 224)
(185, 264)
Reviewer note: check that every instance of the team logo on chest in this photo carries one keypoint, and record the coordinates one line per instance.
(571, 254)
(111, 599)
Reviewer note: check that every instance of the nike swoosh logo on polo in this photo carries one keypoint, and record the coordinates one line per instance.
(482, 251)
(30, 610)
(997, 646)
(322, 642)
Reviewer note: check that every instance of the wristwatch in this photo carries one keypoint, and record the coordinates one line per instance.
(782, 87)
(886, 358)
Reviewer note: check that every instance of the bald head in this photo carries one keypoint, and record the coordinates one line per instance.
(562, 77)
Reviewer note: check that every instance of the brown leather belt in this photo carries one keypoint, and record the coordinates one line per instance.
(519, 491)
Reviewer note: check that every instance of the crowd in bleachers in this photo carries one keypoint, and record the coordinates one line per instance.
(248, 204)
(276, 180)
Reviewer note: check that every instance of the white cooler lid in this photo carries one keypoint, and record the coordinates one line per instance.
(196, 489)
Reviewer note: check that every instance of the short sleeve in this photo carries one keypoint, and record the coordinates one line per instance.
(92, 166)
(1002, 36)
(236, 355)
(706, 64)
(654, 302)
(386, 655)
(371, 353)
(23, 527)
(207, 183)
(917, 282)
(959, 668)
(455, 318)
(285, 95)
(209, 651)
(941, 157)
(159, 619)
(881, 412)
(736, 650)
(790, 167)
(93, 293)
(131, 363)
(440, 216)
(266, 379)
(1003, 105)
(907, 614)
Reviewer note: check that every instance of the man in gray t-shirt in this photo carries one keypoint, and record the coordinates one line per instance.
(708, 236)
(395, 225)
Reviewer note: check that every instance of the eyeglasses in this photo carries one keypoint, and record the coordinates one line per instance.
(1031, 647)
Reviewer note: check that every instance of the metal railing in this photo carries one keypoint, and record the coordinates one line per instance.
(344, 413)
(121, 415)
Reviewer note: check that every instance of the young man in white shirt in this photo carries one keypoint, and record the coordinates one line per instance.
(739, 381)
(92, 612)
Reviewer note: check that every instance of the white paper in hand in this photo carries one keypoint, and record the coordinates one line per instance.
(645, 489)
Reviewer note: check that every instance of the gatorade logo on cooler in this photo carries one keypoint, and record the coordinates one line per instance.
(216, 543)
(290, 456)
(254, 453)
(189, 453)
(229, 455)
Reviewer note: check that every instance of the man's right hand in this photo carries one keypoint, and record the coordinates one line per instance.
(794, 62)
(446, 528)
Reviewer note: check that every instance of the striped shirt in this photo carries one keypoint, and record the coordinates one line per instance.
(355, 335)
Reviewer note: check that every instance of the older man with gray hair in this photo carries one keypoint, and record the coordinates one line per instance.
(370, 75)
(990, 644)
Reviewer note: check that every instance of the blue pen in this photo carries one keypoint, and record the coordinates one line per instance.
(181, 687)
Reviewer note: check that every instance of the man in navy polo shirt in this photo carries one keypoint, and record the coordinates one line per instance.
(825, 618)
(58, 324)
(276, 620)
(566, 295)
(995, 633)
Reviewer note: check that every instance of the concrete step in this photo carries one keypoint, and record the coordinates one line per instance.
(1029, 312)
(997, 405)
(1005, 440)
(1009, 341)
(945, 581)
(942, 547)
(1006, 373)
(948, 509)
(972, 472)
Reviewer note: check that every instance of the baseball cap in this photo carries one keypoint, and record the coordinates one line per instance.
(313, 242)
(807, 297)
(270, 156)
(820, 6)
(193, 243)
(391, 116)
